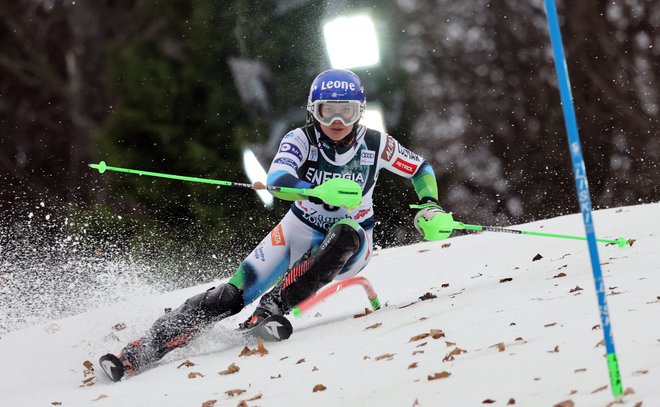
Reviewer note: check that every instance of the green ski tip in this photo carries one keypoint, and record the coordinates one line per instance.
(296, 312)
(100, 166)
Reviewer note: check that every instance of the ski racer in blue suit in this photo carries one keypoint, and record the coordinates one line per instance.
(315, 243)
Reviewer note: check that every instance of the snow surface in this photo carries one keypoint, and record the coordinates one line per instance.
(549, 333)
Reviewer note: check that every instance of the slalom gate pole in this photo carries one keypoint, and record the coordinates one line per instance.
(336, 192)
(581, 183)
(620, 242)
(332, 289)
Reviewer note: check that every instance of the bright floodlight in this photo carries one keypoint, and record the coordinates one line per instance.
(373, 118)
(256, 173)
(351, 42)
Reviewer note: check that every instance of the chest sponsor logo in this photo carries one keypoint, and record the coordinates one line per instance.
(388, 151)
(405, 166)
(367, 157)
(291, 149)
(325, 222)
(277, 236)
(318, 177)
(313, 153)
(409, 154)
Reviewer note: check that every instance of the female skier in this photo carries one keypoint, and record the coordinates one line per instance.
(315, 243)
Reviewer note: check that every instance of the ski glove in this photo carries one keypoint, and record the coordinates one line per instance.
(431, 221)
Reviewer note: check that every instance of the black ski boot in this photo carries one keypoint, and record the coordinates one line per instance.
(173, 330)
(267, 326)
(257, 317)
(123, 364)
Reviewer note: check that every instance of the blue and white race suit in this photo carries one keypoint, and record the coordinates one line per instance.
(304, 161)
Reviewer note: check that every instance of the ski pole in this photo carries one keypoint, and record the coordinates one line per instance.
(620, 242)
(336, 191)
(441, 227)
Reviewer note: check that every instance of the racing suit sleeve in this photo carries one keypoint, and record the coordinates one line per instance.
(399, 160)
(283, 172)
(424, 182)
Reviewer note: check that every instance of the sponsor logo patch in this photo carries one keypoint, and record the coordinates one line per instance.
(273, 328)
(297, 138)
(409, 154)
(259, 254)
(287, 161)
(361, 213)
(277, 236)
(388, 151)
(313, 217)
(291, 149)
(318, 177)
(405, 166)
(367, 157)
(343, 85)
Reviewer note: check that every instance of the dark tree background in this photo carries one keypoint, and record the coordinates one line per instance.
(482, 76)
(182, 86)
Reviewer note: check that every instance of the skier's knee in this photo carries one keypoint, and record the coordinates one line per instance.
(343, 238)
(339, 245)
(221, 301)
(322, 266)
(347, 223)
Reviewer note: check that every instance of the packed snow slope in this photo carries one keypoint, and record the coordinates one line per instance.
(501, 329)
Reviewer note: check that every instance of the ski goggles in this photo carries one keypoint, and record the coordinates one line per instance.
(326, 112)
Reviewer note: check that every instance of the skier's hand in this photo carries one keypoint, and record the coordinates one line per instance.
(431, 221)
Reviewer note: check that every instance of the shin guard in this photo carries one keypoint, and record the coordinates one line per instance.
(315, 269)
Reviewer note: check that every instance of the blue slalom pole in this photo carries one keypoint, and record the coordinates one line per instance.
(579, 171)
